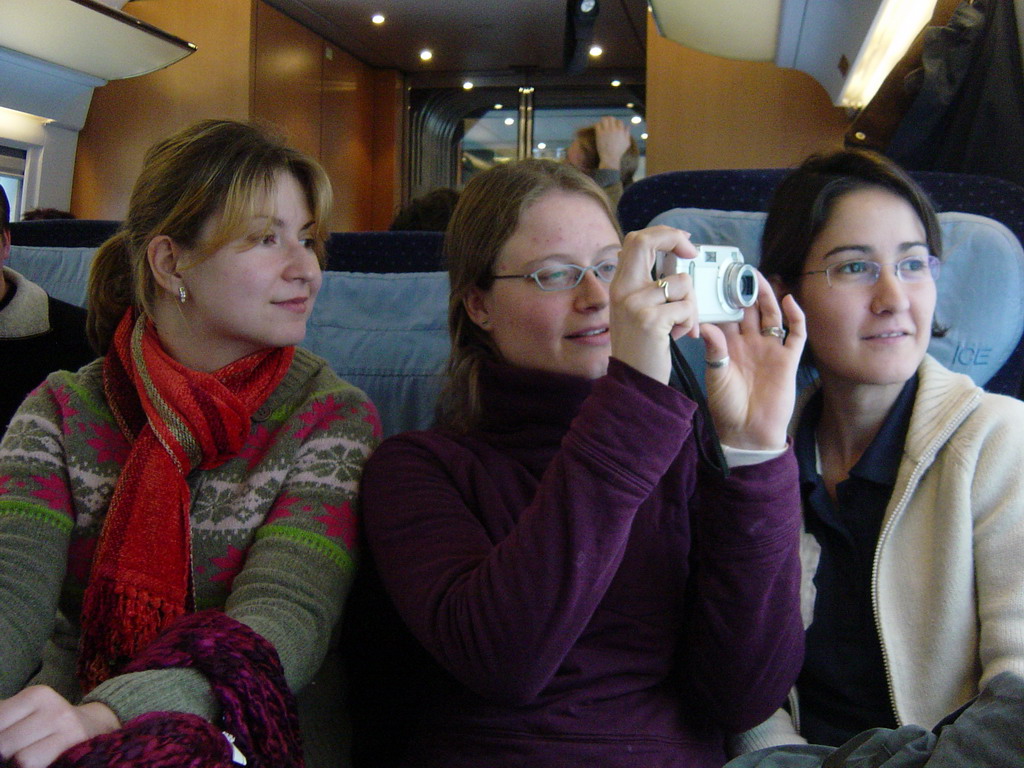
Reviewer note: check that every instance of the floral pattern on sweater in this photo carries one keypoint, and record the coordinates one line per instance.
(281, 513)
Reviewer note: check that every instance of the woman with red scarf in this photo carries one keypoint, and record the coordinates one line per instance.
(177, 517)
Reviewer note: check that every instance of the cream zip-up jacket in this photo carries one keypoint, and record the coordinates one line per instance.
(948, 579)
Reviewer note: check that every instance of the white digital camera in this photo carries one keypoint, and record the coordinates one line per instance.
(722, 283)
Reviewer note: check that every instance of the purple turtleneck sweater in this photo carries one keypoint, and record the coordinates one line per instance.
(596, 596)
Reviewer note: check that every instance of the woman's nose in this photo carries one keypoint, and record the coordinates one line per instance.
(592, 292)
(889, 293)
(303, 264)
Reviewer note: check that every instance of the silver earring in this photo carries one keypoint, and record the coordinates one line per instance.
(182, 294)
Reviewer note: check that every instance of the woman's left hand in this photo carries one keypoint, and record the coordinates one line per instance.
(751, 397)
(38, 724)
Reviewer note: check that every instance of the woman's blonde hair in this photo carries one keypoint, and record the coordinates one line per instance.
(487, 214)
(219, 171)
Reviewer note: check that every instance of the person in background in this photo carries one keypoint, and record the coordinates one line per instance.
(910, 474)
(42, 214)
(608, 153)
(589, 590)
(38, 333)
(177, 519)
(429, 212)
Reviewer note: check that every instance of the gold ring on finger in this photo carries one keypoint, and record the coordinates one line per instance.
(663, 284)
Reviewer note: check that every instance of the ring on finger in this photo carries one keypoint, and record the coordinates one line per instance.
(663, 284)
(774, 330)
(720, 363)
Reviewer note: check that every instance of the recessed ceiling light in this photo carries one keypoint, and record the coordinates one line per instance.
(426, 54)
(636, 119)
(498, 106)
(596, 50)
(509, 121)
(541, 145)
(643, 136)
(616, 83)
(378, 18)
(468, 86)
(629, 105)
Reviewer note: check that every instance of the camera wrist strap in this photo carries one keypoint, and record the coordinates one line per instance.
(704, 425)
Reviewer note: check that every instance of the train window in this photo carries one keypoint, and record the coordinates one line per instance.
(12, 175)
(554, 128)
(455, 133)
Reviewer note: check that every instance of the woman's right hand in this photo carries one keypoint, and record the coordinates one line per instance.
(611, 137)
(37, 725)
(643, 313)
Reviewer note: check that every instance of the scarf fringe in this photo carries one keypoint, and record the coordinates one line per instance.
(126, 619)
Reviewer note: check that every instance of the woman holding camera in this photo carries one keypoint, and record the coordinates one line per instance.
(176, 518)
(910, 474)
(588, 589)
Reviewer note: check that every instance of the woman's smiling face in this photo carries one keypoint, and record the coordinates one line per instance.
(254, 292)
(871, 334)
(559, 331)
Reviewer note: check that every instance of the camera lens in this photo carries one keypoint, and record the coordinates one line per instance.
(748, 288)
(740, 286)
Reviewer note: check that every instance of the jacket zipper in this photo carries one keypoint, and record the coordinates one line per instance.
(926, 461)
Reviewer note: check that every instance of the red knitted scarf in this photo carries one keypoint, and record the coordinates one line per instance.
(177, 420)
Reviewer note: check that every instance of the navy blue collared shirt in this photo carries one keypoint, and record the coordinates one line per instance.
(843, 687)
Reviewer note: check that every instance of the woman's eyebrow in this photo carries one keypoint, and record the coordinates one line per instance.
(280, 223)
(568, 258)
(839, 249)
(867, 249)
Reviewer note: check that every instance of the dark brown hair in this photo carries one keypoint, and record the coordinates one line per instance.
(5, 211)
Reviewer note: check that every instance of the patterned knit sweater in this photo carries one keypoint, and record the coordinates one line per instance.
(273, 530)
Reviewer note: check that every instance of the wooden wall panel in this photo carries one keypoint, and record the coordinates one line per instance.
(252, 62)
(347, 136)
(388, 143)
(127, 116)
(287, 78)
(706, 112)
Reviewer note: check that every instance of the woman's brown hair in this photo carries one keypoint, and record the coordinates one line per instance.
(215, 170)
(487, 214)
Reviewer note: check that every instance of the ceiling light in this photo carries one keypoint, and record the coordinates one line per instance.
(541, 145)
(378, 18)
(426, 54)
(616, 83)
(596, 50)
(636, 119)
(467, 86)
(644, 136)
(891, 33)
(88, 37)
(629, 105)
(497, 106)
(849, 46)
(510, 121)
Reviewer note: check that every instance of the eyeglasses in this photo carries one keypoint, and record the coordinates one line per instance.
(562, 277)
(863, 272)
